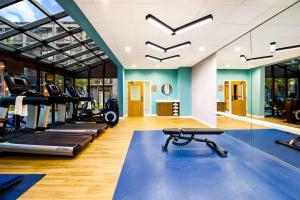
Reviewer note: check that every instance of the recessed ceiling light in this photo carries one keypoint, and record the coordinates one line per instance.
(202, 49)
(128, 49)
(157, 66)
(227, 65)
(133, 66)
(237, 49)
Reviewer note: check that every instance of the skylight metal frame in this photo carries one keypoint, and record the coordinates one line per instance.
(50, 18)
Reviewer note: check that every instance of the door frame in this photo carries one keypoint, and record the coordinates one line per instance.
(230, 96)
(150, 95)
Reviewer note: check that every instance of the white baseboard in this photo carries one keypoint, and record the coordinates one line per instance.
(150, 115)
(263, 123)
(256, 116)
(204, 122)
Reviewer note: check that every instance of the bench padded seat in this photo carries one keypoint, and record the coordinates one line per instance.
(201, 131)
(196, 131)
(170, 131)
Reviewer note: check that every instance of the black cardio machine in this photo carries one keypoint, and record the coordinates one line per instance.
(109, 114)
(56, 97)
(27, 140)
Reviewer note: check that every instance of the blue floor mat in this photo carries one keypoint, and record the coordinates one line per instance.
(264, 139)
(18, 189)
(195, 172)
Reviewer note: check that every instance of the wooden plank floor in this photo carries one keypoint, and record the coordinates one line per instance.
(94, 173)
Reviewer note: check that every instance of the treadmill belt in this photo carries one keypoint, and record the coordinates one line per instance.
(51, 139)
(83, 128)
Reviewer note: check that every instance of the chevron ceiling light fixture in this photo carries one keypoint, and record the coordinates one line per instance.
(245, 59)
(186, 27)
(274, 49)
(162, 59)
(169, 49)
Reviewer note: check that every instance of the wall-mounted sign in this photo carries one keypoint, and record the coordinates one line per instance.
(154, 88)
(220, 88)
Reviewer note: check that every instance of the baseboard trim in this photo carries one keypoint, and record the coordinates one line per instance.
(256, 116)
(263, 123)
(150, 115)
(186, 117)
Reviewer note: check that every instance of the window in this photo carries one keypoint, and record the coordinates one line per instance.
(96, 90)
(3, 88)
(82, 83)
(31, 75)
(45, 31)
(44, 77)
(59, 80)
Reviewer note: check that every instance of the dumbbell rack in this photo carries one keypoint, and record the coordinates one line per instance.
(176, 108)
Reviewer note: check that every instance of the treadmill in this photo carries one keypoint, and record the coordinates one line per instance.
(27, 140)
(57, 97)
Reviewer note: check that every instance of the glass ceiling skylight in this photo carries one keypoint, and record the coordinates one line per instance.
(43, 30)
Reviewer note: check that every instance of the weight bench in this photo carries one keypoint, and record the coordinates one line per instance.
(187, 135)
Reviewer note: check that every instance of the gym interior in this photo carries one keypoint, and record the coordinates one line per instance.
(144, 99)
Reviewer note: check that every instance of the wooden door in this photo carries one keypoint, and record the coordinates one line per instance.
(226, 96)
(135, 98)
(238, 98)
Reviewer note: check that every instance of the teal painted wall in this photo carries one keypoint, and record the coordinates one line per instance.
(255, 79)
(159, 77)
(184, 79)
(74, 11)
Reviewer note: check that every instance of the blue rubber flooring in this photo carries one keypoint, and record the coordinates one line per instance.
(264, 139)
(195, 172)
(18, 189)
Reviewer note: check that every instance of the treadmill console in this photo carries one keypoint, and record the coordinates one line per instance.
(53, 89)
(16, 84)
(72, 91)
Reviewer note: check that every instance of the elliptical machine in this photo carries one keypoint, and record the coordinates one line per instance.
(109, 114)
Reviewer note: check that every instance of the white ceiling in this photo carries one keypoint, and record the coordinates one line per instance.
(284, 29)
(122, 23)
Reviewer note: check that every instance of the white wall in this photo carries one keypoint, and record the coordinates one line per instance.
(204, 84)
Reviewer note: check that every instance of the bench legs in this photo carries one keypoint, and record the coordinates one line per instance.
(211, 144)
(165, 146)
(292, 143)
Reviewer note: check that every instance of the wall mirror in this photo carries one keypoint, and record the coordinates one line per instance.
(166, 89)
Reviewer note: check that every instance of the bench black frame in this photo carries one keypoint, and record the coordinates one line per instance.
(178, 136)
(291, 143)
